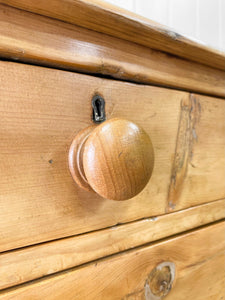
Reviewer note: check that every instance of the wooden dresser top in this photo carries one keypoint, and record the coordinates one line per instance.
(96, 38)
(102, 17)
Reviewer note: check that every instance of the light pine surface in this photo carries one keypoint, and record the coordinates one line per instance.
(198, 258)
(34, 262)
(100, 16)
(35, 39)
(200, 148)
(43, 109)
(57, 241)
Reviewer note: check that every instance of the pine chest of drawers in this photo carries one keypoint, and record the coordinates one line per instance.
(163, 96)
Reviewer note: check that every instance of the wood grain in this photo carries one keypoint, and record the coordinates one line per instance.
(41, 112)
(103, 17)
(35, 39)
(200, 149)
(33, 262)
(198, 257)
(118, 159)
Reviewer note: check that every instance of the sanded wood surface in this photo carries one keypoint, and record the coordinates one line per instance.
(200, 149)
(33, 262)
(41, 112)
(197, 257)
(40, 40)
(103, 17)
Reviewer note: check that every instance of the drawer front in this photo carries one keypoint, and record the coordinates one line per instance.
(43, 109)
(187, 267)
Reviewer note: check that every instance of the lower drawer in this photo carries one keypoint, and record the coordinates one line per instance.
(186, 267)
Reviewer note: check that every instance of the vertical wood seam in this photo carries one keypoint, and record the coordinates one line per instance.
(186, 137)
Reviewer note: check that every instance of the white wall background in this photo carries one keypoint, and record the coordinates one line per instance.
(203, 20)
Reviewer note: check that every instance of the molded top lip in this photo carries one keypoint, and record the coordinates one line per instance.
(111, 20)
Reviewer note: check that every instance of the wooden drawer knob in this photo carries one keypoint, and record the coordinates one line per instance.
(115, 159)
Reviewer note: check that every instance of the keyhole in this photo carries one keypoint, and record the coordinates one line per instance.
(98, 105)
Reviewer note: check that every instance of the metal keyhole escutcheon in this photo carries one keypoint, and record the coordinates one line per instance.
(98, 105)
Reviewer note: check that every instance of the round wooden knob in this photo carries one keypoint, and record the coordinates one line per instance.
(115, 159)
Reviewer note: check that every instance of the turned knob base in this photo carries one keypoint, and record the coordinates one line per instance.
(115, 159)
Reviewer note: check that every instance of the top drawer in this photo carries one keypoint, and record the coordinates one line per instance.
(43, 109)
